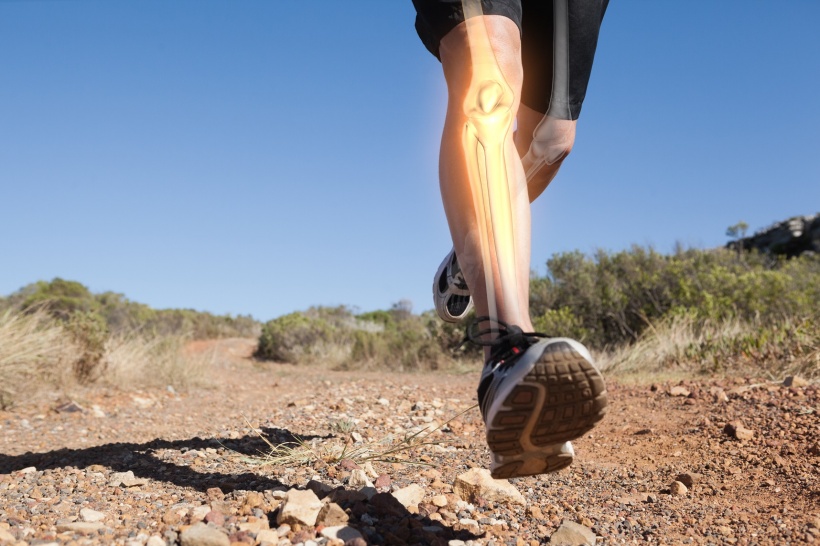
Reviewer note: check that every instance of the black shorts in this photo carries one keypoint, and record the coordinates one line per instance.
(558, 41)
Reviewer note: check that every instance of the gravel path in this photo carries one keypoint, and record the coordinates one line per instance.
(721, 462)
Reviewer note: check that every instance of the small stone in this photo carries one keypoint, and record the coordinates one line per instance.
(356, 542)
(477, 483)
(535, 512)
(321, 489)
(155, 540)
(795, 381)
(440, 501)
(688, 478)
(573, 534)
(89, 515)
(358, 479)
(382, 483)
(356, 437)
(267, 535)
(300, 507)
(199, 512)
(5, 536)
(217, 518)
(735, 429)
(201, 534)
(383, 402)
(341, 532)
(347, 464)
(409, 496)
(331, 515)
(81, 527)
(215, 493)
(678, 489)
(677, 390)
(126, 479)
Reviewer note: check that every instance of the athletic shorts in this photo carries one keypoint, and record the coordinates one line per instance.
(558, 41)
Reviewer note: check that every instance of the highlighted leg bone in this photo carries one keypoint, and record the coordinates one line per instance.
(489, 121)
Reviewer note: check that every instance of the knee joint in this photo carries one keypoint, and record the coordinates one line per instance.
(488, 107)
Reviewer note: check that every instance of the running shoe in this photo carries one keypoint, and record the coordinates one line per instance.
(450, 292)
(535, 396)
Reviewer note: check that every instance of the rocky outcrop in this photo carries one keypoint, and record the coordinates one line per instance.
(790, 238)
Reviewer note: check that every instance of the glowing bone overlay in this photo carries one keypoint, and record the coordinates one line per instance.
(488, 108)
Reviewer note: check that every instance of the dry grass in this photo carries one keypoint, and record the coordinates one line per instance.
(682, 346)
(135, 360)
(35, 352)
(390, 449)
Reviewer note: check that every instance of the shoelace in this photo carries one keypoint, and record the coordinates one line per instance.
(507, 333)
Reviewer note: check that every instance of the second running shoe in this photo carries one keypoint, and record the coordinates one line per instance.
(535, 396)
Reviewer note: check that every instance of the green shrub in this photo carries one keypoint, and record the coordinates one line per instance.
(611, 298)
(299, 338)
(90, 333)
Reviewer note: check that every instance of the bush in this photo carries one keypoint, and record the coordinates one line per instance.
(611, 298)
(89, 332)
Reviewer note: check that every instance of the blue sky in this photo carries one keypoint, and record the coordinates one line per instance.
(262, 156)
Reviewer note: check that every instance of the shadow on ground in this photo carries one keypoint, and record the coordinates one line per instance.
(381, 518)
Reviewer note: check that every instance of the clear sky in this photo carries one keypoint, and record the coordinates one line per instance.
(264, 156)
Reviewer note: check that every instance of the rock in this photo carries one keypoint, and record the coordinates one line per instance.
(356, 542)
(81, 527)
(217, 518)
(440, 501)
(369, 470)
(89, 515)
(791, 237)
(341, 532)
(409, 496)
(383, 402)
(69, 407)
(300, 507)
(358, 479)
(735, 429)
(201, 534)
(535, 512)
(386, 504)
(795, 381)
(677, 390)
(126, 479)
(678, 489)
(215, 493)
(331, 515)
(199, 512)
(688, 478)
(347, 464)
(382, 483)
(573, 534)
(321, 489)
(478, 483)
(267, 535)
(5, 536)
(155, 540)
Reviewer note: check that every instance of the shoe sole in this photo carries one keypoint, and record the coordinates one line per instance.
(559, 397)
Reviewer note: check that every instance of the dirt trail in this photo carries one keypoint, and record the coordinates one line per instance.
(188, 452)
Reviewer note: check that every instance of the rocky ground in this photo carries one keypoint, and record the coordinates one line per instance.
(702, 462)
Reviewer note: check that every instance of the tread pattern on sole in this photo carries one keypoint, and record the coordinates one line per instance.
(575, 400)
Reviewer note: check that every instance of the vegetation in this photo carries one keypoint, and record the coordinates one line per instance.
(703, 310)
(58, 333)
(640, 311)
